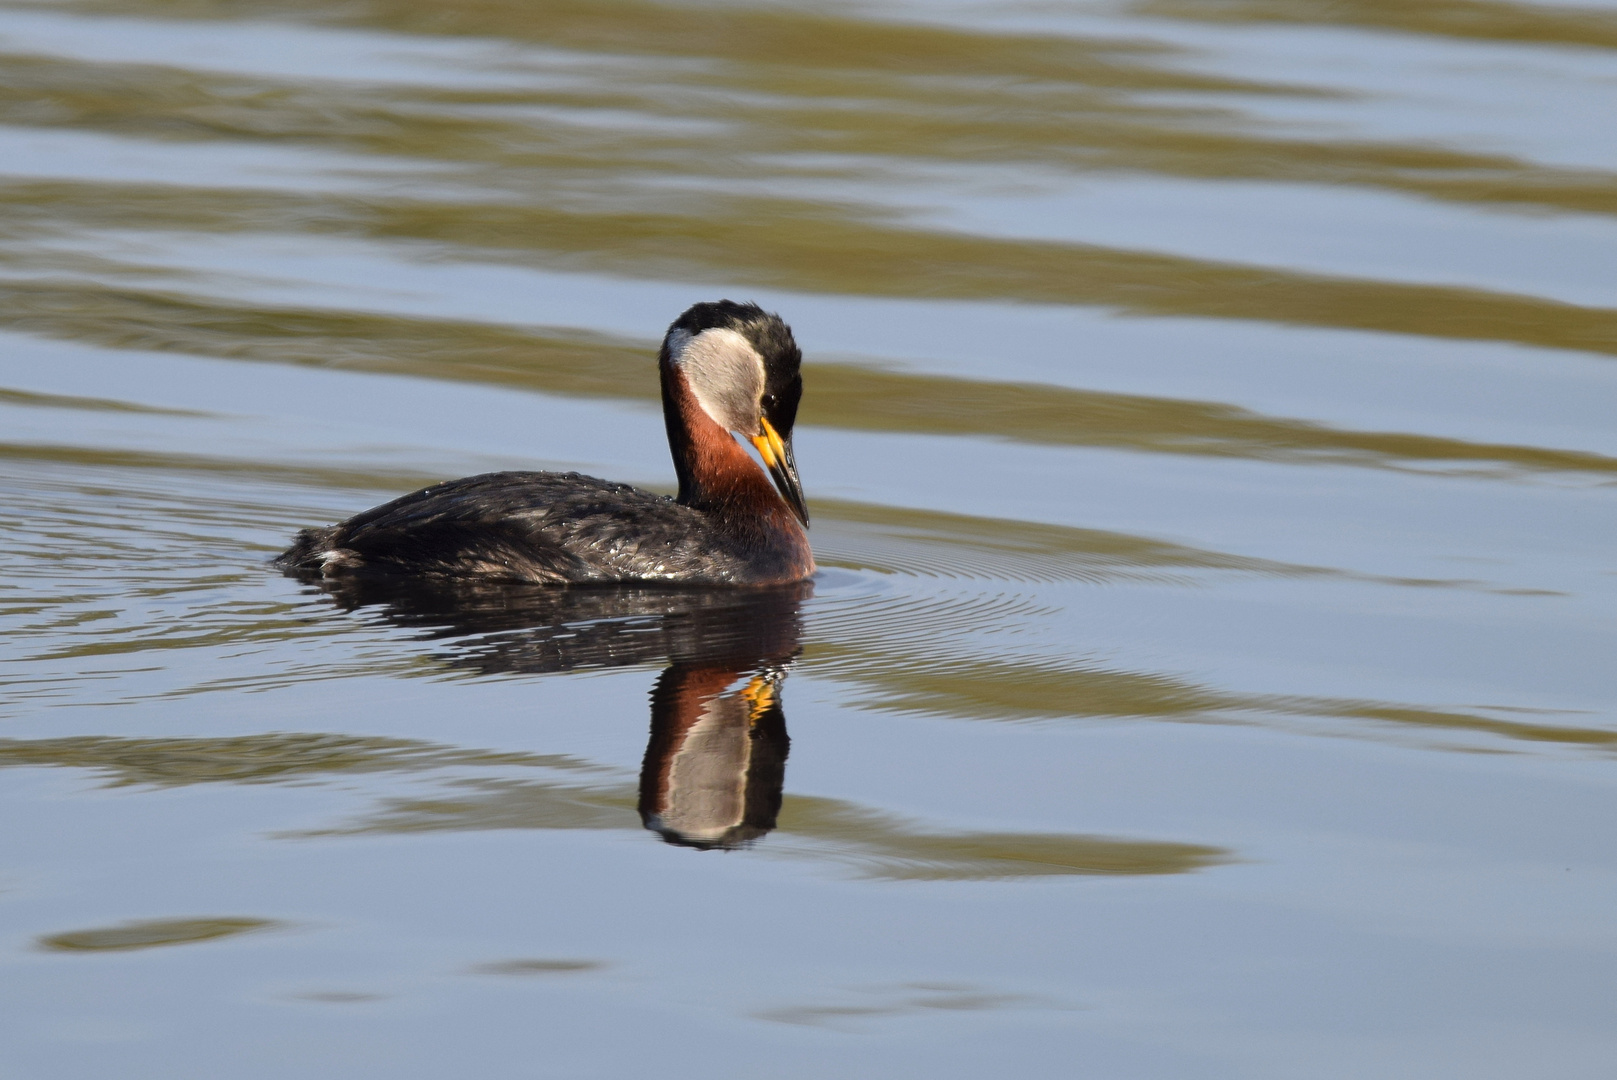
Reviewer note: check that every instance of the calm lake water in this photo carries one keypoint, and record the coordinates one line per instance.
(1209, 431)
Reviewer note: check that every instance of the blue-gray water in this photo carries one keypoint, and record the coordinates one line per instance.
(1209, 434)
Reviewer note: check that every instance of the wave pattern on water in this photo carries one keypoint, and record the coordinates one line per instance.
(948, 649)
(1197, 392)
(870, 843)
(843, 396)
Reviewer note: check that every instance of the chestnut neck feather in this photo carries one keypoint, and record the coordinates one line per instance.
(715, 473)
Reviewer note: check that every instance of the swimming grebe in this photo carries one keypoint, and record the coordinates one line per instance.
(726, 367)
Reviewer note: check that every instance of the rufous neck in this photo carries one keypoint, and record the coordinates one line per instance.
(714, 472)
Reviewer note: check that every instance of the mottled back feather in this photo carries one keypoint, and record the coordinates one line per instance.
(539, 527)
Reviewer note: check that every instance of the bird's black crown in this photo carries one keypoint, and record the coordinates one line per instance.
(769, 334)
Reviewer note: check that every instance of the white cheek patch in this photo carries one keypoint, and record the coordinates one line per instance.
(725, 373)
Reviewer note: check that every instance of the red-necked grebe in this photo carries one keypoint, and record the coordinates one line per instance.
(726, 367)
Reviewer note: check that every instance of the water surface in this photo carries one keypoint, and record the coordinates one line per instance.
(1208, 434)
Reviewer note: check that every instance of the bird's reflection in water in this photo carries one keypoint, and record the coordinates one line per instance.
(716, 761)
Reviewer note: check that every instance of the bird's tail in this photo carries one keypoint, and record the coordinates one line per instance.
(308, 551)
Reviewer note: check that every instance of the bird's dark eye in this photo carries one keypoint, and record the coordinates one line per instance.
(770, 401)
